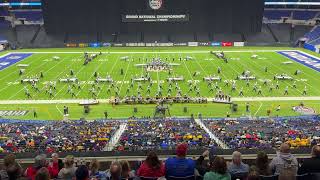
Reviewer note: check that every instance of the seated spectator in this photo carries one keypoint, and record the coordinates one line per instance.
(253, 175)
(126, 172)
(152, 167)
(82, 173)
(262, 164)
(42, 174)
(284, 161)
(55, 158)
(218, 170)
(237, 167)
(114, 173)
(40, 162)
(200, 166)
(94, 170)
(54, 165)
(69, 170)
(179, 166)
(287, 175)
(12, 169)
(311, 165)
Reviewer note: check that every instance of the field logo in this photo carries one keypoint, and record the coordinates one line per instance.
(155, 4)
(14, 57)
(13, 113)
(304, 110)
(302, 58)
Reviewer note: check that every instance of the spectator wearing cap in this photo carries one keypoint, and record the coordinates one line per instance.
(82, 173)
(180, 166)
(311, 165)
(237, 167)
(69, 170)
(218, 170)
(202, 167)
(284, 162)
(152, 167)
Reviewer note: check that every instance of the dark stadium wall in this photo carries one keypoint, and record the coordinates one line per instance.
(104, 16)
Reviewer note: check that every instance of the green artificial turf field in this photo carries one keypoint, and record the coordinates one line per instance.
(202, 64)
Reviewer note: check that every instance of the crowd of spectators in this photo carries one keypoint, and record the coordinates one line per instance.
(163, 135)
(150, 134)
(56, 136)
(283, 166)
(265, 134)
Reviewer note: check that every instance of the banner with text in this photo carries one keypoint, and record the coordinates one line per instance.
(133, 18)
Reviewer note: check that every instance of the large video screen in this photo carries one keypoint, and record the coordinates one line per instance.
(161, 16)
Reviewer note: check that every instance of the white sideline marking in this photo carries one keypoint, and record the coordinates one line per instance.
(146, 52)
(76, 101)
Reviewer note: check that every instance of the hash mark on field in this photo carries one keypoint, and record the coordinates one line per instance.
(14, 66)
(186, 67)
(56, 77)
(67, 83)
(289, 85)
(15, 72)
(82, 88)
(251, 69)
(125, 75)
(22, 88)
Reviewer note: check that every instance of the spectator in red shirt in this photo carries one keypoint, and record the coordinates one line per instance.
(152, 167)
(40, 162)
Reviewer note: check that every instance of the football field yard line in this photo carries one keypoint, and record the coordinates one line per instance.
(251, 69)
(59, 110)
(125, 75)
(92, 74)
(103, 101)
(305, 66)
(43, 72)
(206, 72)
(67, 83)
(255, 114)
(289, 85)
(33, 61)
(238, 73)
(2, 56)
(19, 76)
(57, 76)
(186, 67)
(212, 61)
